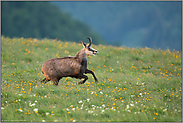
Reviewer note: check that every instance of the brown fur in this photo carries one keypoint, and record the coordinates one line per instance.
(55, 69)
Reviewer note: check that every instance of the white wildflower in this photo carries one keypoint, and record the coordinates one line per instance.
(88, 100)
(113, 109)
(20, 110)
(132, 95)
(131, 104)
(127, 106)
(101, 92)
(71, 106)
(47, 113)
(165, 110)
(103, 105)
(74, 120)
(73, 109)
(2, 107)
(35, 109)
(93, 108)
(82, 106)
(89, 111)
(43, 121)
(102, 111)
(80, 101)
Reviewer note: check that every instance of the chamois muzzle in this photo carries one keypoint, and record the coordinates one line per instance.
(95, 52)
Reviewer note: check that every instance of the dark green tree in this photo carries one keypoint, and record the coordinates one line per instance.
(42, 20)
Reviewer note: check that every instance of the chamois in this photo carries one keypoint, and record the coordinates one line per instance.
(75, 67)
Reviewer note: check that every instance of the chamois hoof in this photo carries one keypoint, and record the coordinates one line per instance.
(81, 82)
(55, 83)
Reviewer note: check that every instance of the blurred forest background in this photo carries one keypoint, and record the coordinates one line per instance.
(133, 24)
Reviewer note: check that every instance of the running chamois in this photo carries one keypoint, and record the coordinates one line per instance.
(75, 67)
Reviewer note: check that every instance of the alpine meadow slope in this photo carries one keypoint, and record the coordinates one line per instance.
(135, 84)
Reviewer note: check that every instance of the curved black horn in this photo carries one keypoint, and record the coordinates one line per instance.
(90, 41)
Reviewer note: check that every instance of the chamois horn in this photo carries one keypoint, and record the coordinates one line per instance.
(90, 41)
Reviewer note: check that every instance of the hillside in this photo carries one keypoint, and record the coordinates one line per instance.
(135, 84)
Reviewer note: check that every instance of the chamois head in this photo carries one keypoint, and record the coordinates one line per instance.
(88, 49)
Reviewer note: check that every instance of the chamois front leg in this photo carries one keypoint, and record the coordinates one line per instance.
(85, 78)
(91, 72)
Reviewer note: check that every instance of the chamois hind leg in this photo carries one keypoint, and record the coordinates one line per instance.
(44, 80)
(85, 78)
(91, 72)
(55, 81)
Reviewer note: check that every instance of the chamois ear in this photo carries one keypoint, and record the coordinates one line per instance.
(83, 43)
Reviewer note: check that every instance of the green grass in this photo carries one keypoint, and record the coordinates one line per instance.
(135, 84)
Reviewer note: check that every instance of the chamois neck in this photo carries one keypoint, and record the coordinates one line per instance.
(81, 55)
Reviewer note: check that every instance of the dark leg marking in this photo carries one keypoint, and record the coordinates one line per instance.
(44, 80)
(91, 72)
(85, 78)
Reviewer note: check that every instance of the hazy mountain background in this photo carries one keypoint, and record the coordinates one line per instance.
(42, 20)
(153, 24)
(133, 24)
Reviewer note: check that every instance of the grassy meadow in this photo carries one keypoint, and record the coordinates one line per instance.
(135, 84)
